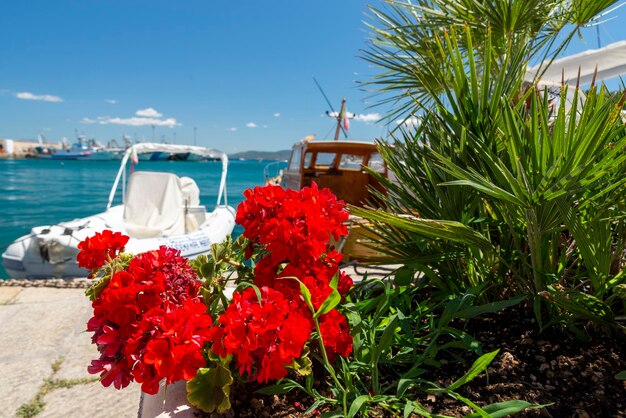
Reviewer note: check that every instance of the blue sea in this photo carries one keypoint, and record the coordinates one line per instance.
(44, 192)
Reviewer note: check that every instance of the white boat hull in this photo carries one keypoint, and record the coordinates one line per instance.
(50, 251)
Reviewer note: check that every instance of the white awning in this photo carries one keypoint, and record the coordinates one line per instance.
(610, 61)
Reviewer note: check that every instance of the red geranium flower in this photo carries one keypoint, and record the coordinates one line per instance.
(99, 249)
(264, 336)
(336, 334)
(149, 323)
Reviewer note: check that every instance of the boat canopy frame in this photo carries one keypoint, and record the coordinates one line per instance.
(146, 147)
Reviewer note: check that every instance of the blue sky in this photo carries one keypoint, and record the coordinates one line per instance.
(240, 73)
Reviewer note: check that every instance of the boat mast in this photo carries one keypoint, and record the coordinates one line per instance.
(340, 116)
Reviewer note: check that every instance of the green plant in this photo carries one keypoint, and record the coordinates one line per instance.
(405, 48)
(495, 161)
(399, 337)
(37, 404)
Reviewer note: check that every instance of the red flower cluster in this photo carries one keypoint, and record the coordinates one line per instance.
(294, 227)
(268, 335)
(99, 249)
(149, 323)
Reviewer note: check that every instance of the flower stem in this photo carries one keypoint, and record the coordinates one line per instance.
(330, 368)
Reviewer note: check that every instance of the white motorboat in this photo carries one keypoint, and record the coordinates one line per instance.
(157, 209)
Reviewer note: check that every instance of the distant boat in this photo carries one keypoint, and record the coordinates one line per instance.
(158, 208)
(81, 150)
(170, 156)
(154, 156)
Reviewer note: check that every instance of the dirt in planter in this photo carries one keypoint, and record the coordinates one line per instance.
(577, 378)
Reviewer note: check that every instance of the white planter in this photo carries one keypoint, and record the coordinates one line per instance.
(166, 403)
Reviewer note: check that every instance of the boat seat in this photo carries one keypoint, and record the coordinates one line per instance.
(194, 213)
(191, 192)
(154, 205)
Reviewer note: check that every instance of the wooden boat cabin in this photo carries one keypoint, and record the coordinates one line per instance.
(337, 165)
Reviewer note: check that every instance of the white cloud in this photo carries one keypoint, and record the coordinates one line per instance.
(277, 114)
(368, 118)
(232, 129)
(410, 122)
(111, 101)
(25, 95)
(251, 125)
(149, 112)
(144, 117)
(134, 121)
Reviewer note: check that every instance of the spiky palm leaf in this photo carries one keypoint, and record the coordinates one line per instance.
(405, 36)
(545, 189)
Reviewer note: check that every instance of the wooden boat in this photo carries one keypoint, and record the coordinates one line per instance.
(339, 165)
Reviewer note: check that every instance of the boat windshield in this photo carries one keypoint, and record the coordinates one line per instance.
(323, 159)
(351, 161)
(294, 162)
(376, 162)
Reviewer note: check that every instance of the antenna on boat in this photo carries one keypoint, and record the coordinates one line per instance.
(338, 117)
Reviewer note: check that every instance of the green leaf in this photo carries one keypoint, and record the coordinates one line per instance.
(95, 289)
(429, 228)
(218, 250)
(329, 303)
(387, 338)
(479, 411)
(306, 295)
(403, 386)
(208, 269)
(304, 291)
(303, 365)
(404, 276)
(416, 407)
(357, 404)
(478, 367)
(620, 291)
(279, 388)
(209, 390)
(314, 406)
(502, 409)
(245, 285)
(580, 304)
(621, 375)
(474, 311)
(334, 281)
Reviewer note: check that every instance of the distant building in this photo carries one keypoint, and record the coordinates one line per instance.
(17, 148)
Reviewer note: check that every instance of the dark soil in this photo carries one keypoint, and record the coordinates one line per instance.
(552, 367)
(577, 378)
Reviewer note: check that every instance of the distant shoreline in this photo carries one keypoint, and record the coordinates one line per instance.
(246, 155)
(262, 155)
